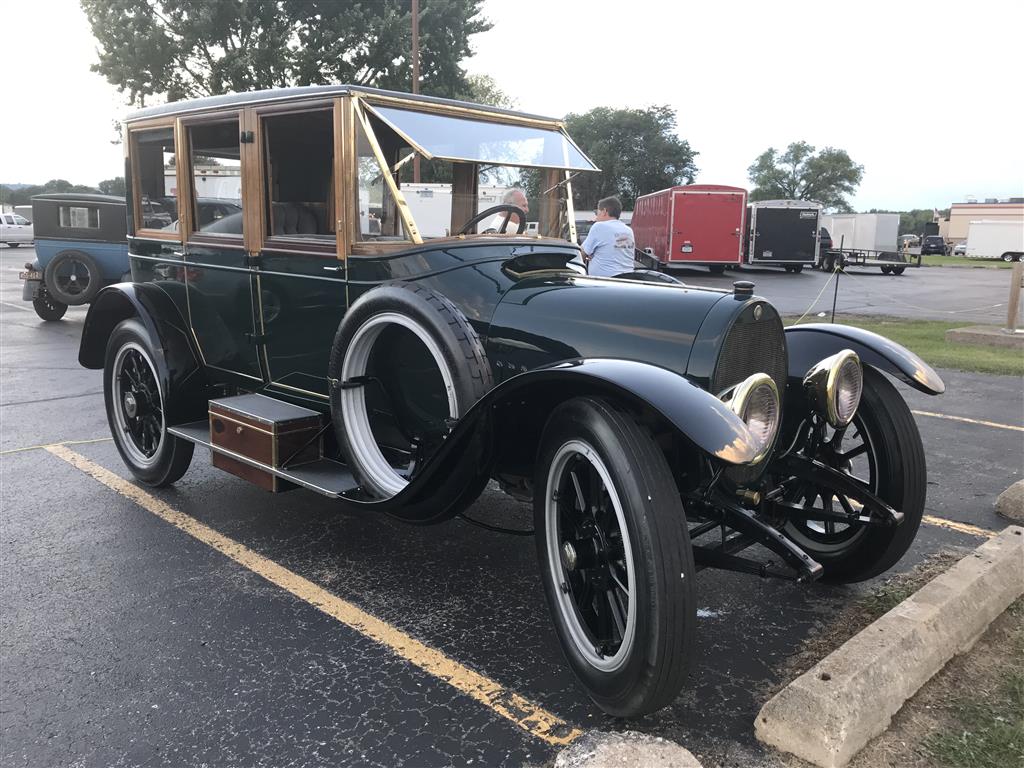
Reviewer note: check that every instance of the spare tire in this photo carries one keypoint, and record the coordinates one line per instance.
(73, 277)
(406, 364)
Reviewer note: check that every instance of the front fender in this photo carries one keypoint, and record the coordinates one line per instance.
(807, 344)
(453, 476)
(178, 367)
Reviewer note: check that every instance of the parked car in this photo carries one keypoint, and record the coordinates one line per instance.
(81, 246)
(15, 230)
(960, 249)
(909, 241)
(933, 244)
(657, 429)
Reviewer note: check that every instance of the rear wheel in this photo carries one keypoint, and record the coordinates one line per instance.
(47, 307)
(717, 269)
(882, 449)
(615, 557)
(898, 270)
(136, 410)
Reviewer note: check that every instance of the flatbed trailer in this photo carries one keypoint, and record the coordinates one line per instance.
(890, 262)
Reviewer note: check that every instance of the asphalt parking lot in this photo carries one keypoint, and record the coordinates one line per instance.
(212, 623)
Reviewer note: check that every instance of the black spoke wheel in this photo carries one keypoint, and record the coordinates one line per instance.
(615, 557)
(47, 307)
(136, 409)
(881, 448)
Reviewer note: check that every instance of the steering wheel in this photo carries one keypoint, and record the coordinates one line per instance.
(508, 210)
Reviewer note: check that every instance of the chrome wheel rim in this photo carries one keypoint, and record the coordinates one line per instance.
(589, 556)
(137, 405)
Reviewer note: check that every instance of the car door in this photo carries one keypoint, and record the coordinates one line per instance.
(218, 271)
(300, 276)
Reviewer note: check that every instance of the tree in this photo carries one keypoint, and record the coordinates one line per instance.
(912, 222)
(22, 195)
(177, 49)
(637, 151)
(113, 186)
(803, 173)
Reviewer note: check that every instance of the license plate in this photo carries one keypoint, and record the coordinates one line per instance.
(30, 275)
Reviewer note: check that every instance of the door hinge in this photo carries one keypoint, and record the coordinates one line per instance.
(246, 137)
(257, 338)
(253, 260)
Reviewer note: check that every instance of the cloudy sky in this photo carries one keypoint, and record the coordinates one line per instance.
(926, 95)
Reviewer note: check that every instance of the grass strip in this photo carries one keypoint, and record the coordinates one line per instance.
(941, 260)
(927, 339)
(988, 724)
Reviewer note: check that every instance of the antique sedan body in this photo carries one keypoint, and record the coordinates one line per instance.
(316, 339)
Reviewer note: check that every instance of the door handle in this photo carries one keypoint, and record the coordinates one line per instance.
(332, 269)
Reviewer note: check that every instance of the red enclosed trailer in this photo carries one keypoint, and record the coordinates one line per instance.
(697, 224)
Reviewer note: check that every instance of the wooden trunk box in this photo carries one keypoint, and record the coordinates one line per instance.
(265, 430)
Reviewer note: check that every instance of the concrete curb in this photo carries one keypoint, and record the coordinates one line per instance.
(1010, 503)
(629, 749)
(830, 712)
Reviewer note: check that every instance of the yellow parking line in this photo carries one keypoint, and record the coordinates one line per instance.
(983, 423)
(531, 718)
(953, 525)
(48, 445)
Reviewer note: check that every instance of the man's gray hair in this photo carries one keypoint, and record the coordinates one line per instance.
(509, 198)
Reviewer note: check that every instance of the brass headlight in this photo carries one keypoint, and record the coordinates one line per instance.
(756, 401)
(834, 386)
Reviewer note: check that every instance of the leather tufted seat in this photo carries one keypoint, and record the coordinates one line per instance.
(294, 219)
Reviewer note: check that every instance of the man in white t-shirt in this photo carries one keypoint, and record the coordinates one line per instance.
(609, 248)
(516, 197)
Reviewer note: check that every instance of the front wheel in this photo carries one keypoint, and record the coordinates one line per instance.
(615, 557)
(881, 448)
(136, 410)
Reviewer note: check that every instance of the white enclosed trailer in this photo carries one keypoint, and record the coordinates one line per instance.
(995, 240)
(865, 239)
(863, 231)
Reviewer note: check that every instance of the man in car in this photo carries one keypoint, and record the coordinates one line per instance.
(516, 197)
(609, 248)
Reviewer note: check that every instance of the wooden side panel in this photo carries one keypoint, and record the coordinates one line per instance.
(465, 190)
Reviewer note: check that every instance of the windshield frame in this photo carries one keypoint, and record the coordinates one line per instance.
(363, 109)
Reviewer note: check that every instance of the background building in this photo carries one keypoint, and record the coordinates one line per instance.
(954, 229)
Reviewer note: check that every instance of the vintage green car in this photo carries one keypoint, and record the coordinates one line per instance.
(337, 333)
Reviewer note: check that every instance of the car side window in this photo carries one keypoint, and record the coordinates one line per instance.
(299, 154)
(215, 163)
(8, 219)
(157, 187)
(21, 220)
(377, 213)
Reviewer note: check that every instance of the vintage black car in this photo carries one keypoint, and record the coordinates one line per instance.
(657, 428)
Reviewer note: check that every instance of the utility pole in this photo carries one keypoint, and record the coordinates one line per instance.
(416, 73)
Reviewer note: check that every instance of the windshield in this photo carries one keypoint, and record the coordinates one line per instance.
(465, 139)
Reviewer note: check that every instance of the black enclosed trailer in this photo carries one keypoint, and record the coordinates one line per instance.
(783, 233)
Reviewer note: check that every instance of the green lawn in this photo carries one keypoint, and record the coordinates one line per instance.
(927, 339)
(935, 260)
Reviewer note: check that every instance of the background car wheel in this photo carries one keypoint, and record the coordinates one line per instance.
(13, 245)
(882, 448)
(73, 277)
(717, 269)
(409, 364)
(615, 557)
(135, 405)
(47, 307)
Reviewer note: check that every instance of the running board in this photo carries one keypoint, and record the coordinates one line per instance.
(326, 477)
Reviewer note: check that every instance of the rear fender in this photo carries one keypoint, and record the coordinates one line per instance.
(178, 364)
(457, 472)
(807, 344)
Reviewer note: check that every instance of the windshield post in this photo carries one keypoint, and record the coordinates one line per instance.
(570, 211)
(389, 179)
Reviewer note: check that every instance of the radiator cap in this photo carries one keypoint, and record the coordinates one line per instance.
(743, 288)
